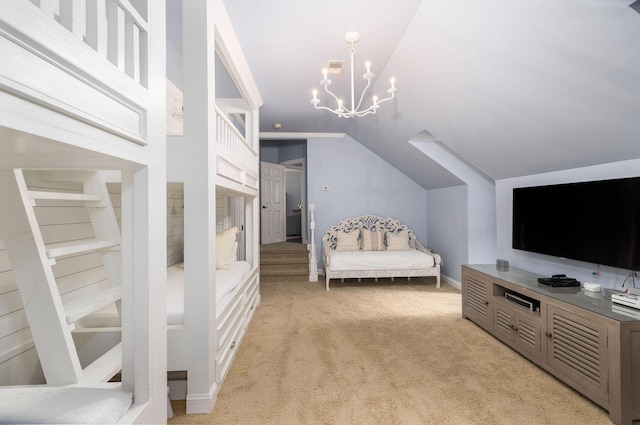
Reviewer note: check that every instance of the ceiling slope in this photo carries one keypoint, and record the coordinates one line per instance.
(514, 88)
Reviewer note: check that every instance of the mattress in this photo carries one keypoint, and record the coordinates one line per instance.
(62, 405)
(226, 281)
(175, 294)
(379, 260)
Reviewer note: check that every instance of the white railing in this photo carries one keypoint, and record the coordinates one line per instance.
(115, 29)
(233, 145)
(313, 261)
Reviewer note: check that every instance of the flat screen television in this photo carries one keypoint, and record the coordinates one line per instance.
(596, 222)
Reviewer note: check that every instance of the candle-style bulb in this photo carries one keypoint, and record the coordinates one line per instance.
(368, 65)
(393, 82)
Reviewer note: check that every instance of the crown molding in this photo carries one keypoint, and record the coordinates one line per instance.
(275, 135)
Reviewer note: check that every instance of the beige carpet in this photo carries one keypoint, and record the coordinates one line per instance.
(381, 353)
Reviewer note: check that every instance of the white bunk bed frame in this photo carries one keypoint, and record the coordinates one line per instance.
(82, 88)
(213, 157)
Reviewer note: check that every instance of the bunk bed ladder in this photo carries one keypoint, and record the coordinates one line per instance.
(51, 320)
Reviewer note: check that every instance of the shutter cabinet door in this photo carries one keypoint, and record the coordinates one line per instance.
(475, 301)
(578, 352)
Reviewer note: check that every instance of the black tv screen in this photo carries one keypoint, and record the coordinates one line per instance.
(597, 222)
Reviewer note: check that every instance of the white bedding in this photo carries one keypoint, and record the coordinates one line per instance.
(62, 405)
(379, 260)
(175, 295)
(226, 281)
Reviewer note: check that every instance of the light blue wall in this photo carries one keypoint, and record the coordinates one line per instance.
(447, 226)
(475, 238)
(360, 183)
(292, 151)
(277, 151)
(543, 264)
(293, 189)
(269, 154)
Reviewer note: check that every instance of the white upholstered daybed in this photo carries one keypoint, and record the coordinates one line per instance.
(372, 247)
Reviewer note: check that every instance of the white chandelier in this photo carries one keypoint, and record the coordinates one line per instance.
(352, 37)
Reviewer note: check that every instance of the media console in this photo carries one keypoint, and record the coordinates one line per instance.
(575, 336)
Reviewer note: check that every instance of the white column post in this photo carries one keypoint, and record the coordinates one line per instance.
(200, 202)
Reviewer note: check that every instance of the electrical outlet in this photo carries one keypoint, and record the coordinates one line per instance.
(325, 188)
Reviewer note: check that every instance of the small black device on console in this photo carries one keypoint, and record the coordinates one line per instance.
(558, 280)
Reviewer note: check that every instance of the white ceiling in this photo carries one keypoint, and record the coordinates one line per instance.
(513, 87)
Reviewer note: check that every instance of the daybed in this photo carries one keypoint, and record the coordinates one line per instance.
(371, 247)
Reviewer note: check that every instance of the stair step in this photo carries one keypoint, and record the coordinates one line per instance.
(63, 196)
(300, 259)
(61, 249)
(281, 279)
(83, 306)
(105, 367)
(277, 270)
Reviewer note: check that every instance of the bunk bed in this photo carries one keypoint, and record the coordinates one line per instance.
(236, 285)
(75, 99)
(212, 150)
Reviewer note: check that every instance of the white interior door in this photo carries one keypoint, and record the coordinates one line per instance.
(273, 208)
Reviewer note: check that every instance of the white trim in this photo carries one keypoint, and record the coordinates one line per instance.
(451, 282)
(230, 52)
(272, 135)
(202, 403)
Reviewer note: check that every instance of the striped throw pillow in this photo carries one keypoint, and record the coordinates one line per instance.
(372, 240)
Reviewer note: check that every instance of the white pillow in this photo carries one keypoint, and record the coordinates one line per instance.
(225, 242)
(397, 241)
(347, 241)
(372, 240)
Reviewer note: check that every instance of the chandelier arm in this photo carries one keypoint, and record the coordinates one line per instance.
(386, 99)
(369, 111)
(332, 94)
(362, 95)
(326, 109)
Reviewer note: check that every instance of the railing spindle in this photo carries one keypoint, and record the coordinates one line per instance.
(116, 38)
(313, 261)
(72, 17)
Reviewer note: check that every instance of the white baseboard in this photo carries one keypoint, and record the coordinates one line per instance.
(202, 403)
(451, 282)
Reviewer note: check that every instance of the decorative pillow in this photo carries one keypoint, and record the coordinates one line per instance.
(397, 241)
(372, 240)
(225, 242)
(347, 241)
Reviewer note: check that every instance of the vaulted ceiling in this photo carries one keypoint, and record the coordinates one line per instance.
(512, 87)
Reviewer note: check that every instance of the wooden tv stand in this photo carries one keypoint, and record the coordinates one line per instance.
(573, 335)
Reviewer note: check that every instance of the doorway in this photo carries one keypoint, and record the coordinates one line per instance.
(291, 155)
(296, 200)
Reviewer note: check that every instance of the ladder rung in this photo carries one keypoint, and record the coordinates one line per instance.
(83, 306)
(61, 249)
(105, 367)
(63, 196)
